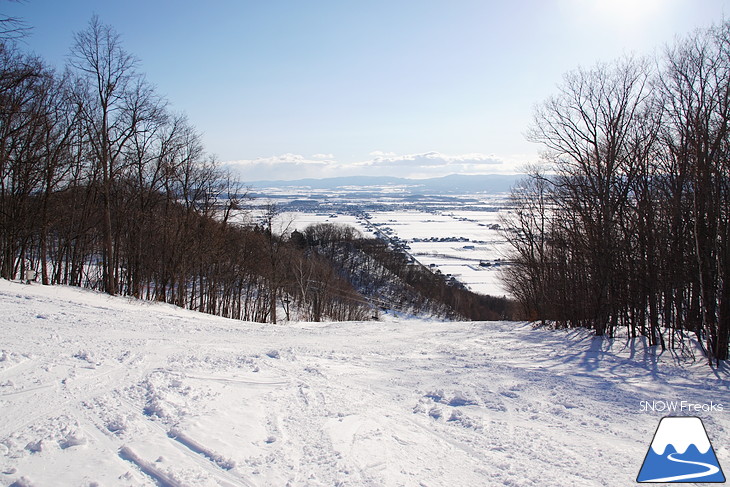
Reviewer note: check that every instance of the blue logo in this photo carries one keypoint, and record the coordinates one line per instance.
(681, 452)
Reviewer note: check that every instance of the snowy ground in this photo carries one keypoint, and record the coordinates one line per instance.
(101, 391)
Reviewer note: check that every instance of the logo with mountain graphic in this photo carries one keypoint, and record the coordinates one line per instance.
(681, 452)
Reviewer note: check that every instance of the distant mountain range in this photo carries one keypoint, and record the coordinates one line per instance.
(455, 183)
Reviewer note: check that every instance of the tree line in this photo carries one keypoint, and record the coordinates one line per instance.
(103, 186)
(627, 222)
(89, 160)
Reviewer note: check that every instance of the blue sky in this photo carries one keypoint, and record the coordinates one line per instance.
(324, 88)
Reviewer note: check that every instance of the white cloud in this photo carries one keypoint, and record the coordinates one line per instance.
(323, 156)
(433, 164)
(284, 166)
(422, 165)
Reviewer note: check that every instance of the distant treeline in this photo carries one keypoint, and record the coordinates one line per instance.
(629, 225)
(102, 186)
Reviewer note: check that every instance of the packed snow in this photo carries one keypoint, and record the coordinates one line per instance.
(109, 391)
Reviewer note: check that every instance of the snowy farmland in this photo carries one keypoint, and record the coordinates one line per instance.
(459, 235)
(108, 391)
(466, 245)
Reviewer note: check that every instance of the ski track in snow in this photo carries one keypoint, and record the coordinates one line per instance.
(96, 390)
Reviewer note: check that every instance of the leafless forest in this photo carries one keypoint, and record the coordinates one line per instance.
(104, 186)
(631, 225)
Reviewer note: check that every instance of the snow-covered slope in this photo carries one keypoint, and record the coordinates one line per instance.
(105, 391)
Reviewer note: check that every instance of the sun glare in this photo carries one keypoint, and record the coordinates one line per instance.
(627, 11)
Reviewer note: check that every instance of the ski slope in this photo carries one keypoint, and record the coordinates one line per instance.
(108, 391)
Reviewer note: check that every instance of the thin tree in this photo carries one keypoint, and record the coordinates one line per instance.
(111, 84)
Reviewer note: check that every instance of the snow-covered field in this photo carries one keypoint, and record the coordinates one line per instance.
(102, 391)
(467, 245)
(451, 231)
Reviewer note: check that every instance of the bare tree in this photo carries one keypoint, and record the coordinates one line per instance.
(640, 200)
(25, 84)
(586, 132)
(527, 227)
(274, 227)
(110, 113)
(696, 88)
(12, 28)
